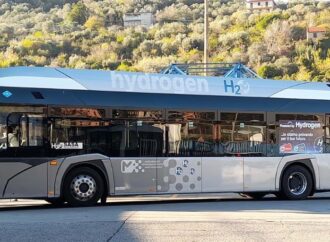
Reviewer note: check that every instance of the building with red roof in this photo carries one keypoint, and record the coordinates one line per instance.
(316, 33)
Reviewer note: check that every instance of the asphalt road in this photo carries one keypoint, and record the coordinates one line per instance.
(212, 218)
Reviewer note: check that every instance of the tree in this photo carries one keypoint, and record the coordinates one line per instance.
(154, 64)
(266, 20)
(286, 67)
(148, 48)
(194, 42)
(231, 40)
(257, 53)
(78, 13)
(298, 33)
(278, 38)
(94, 23)
(269, 71)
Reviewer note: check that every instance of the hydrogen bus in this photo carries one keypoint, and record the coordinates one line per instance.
(80, 136)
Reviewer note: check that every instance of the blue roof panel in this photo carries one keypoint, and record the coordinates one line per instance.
(134, 82)
(30, 72)
(37, 77)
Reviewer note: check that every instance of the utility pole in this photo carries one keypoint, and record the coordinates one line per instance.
(206, 34)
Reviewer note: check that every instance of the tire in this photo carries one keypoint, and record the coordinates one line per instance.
(279, 195)
(254, 195)
(297, 183)
(57, 202)
(83, 187)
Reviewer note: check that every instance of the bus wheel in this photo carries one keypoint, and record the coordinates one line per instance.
(83, 187)
(297, 183)
(279, 195)
(57, 202)
(254, 195)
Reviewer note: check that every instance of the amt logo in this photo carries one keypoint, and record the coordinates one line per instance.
(131, 166)
(241, 87)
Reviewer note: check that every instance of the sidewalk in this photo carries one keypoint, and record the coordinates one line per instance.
(20, 202)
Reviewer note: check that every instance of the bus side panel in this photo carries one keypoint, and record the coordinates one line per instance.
(8, 169)
(68, 162)
(134, 175)
(179, 175)
(260, 173)
(52, 172)
(323, 161)
(292, 158)
(222, 174)
(111, 180)
(30, 183)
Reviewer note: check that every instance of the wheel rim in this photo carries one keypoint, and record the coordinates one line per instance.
(297, 183)
(83, 187)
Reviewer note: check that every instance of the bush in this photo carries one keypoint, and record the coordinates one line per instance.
(78, 13)
(94, 23)
(267, 19)
(269, 71)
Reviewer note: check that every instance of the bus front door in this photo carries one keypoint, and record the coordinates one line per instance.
(24, 169)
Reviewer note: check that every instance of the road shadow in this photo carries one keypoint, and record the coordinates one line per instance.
(319, 205)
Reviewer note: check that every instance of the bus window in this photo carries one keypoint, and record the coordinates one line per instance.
(76, 112)
(36, 130)
(3, 131)
(136, 139)
(179, 115)
(3, 137)
(68, 134)
(191, 133)
(87, 136)
(150, 138)
(298, 117)
(25, 130)
(243, 134)
(137, 114)
(16, 129)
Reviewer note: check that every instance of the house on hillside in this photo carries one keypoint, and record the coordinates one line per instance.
(138, 19)
(316, 33)
(260, 4)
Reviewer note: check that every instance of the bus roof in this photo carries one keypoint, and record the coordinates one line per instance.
(134, 82)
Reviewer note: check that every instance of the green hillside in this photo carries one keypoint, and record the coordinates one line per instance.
(90, 34)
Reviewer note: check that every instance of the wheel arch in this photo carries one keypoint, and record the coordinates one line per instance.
(99, 163)
(96, 165)
(306, 163)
